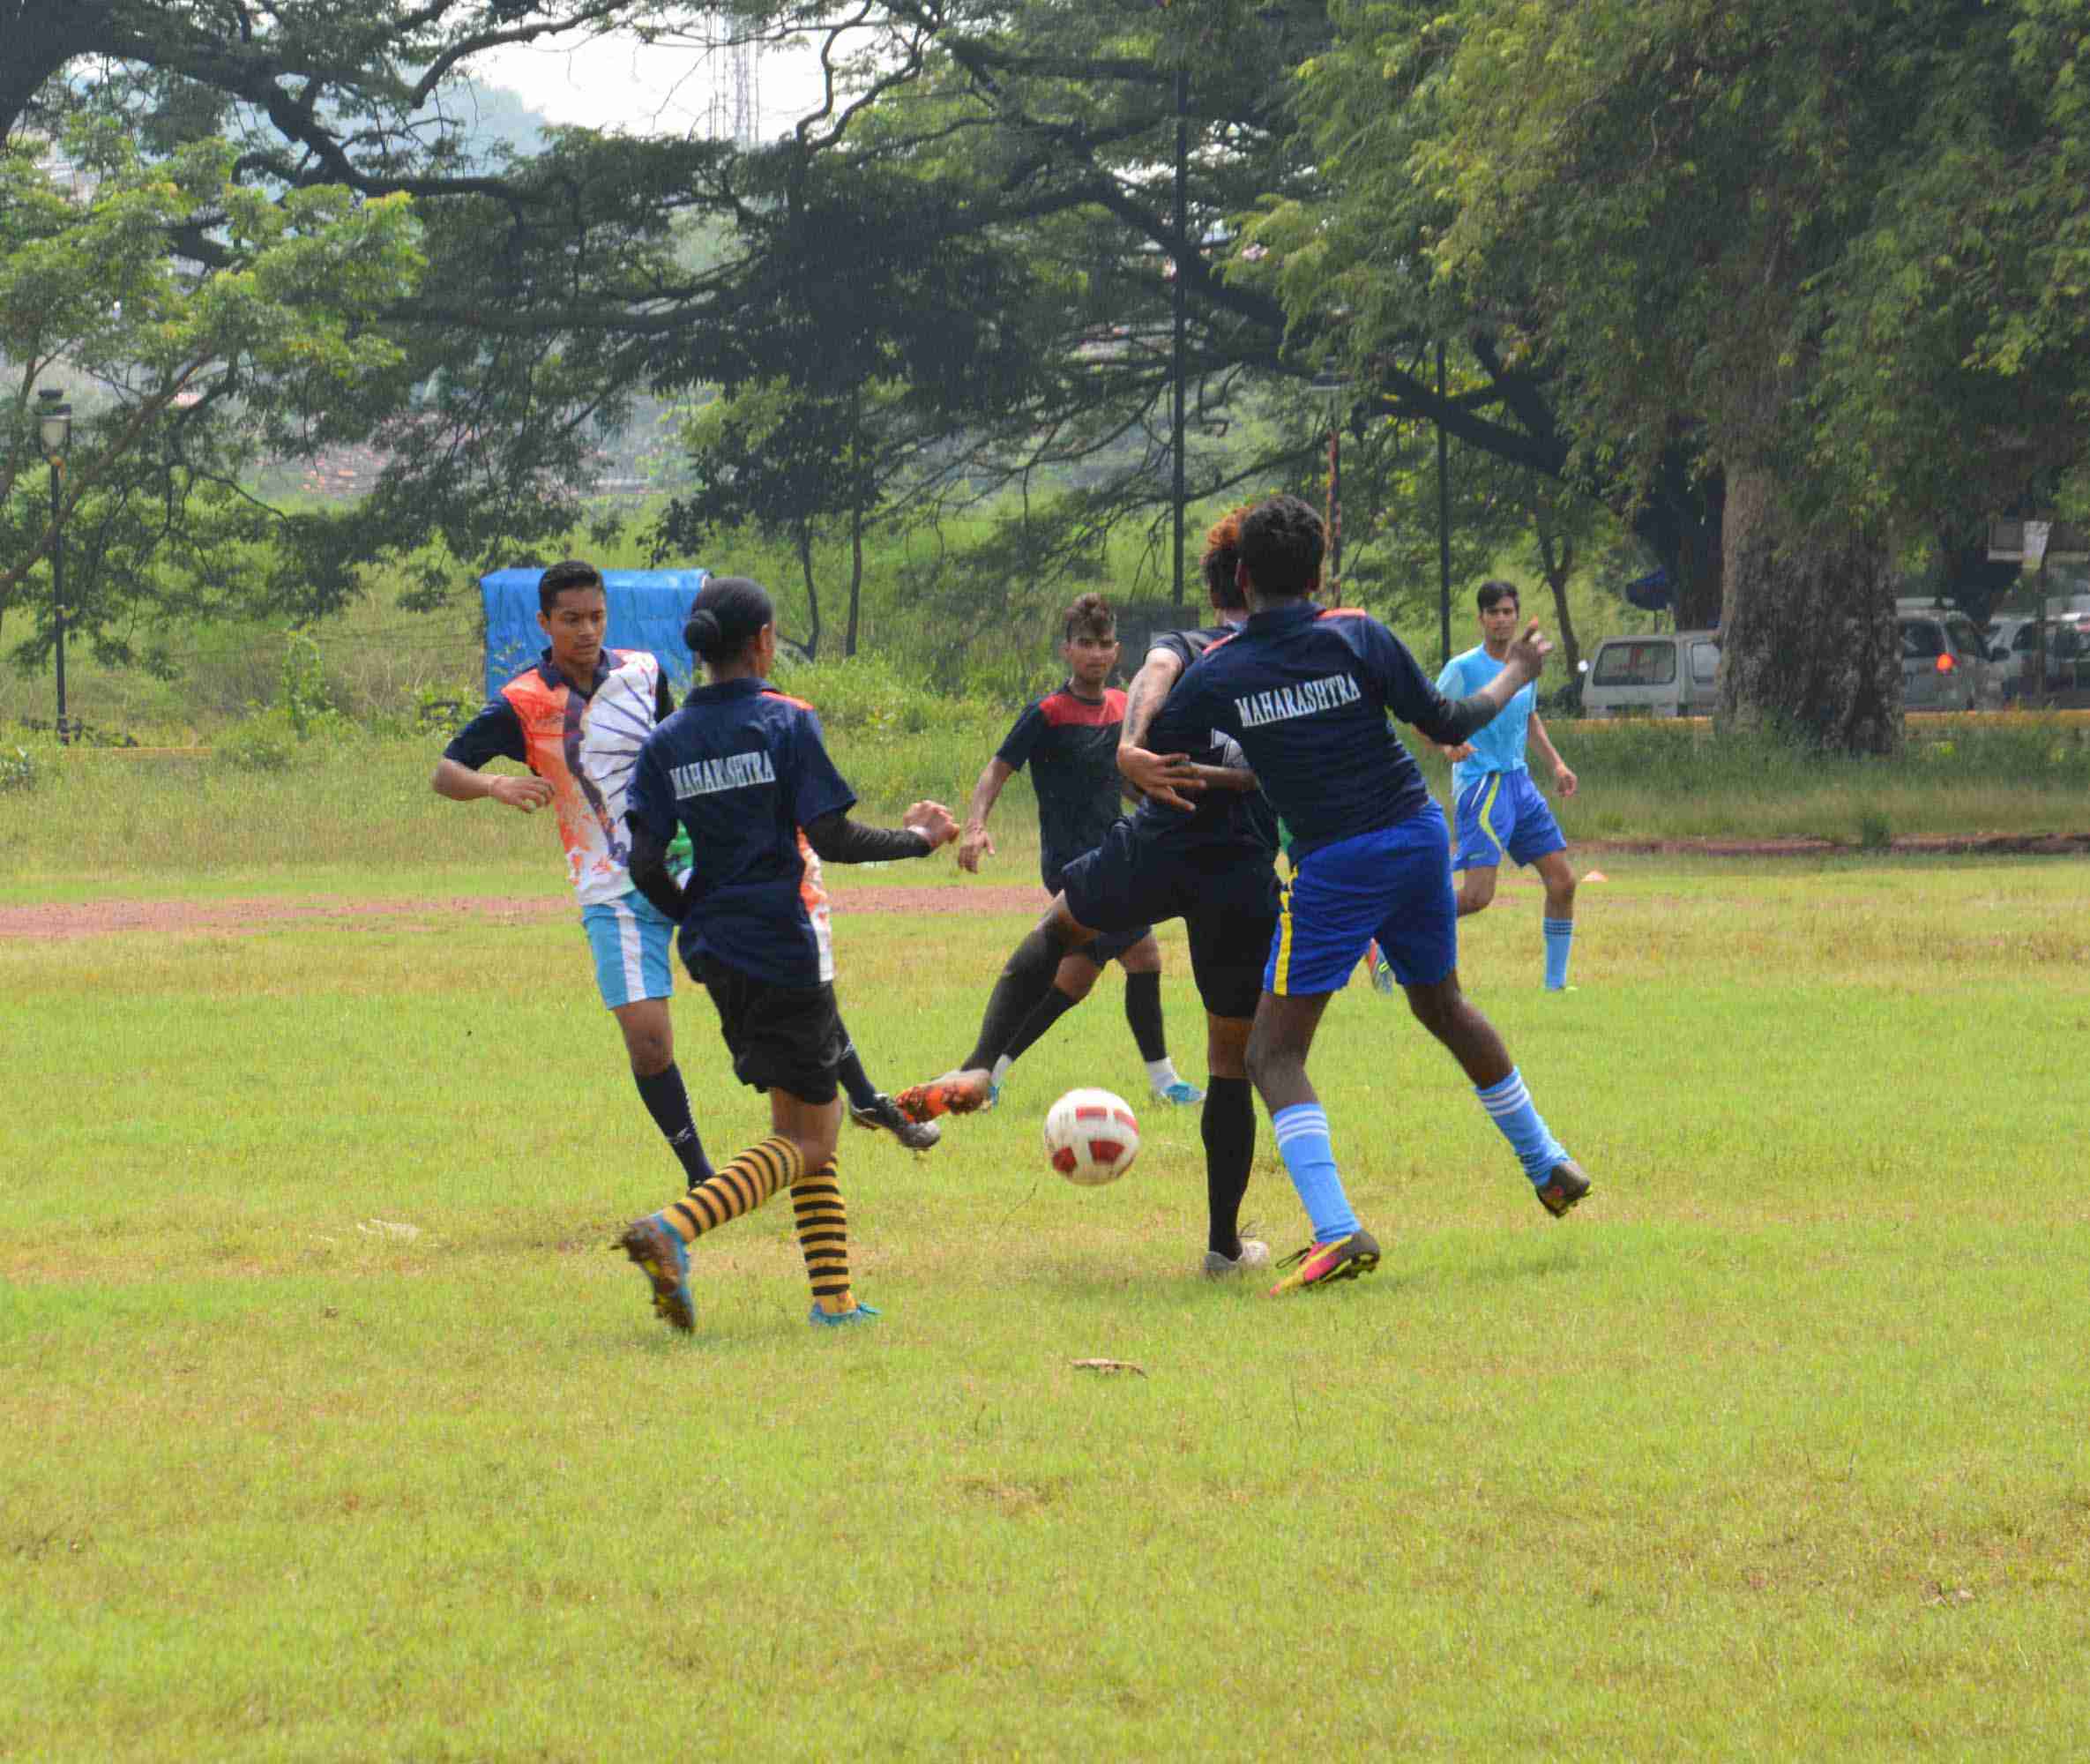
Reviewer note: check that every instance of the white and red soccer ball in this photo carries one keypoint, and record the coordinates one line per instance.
(1090, 1136)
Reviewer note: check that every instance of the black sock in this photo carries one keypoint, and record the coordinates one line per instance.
(1143, 1012)
(1022, 987)
(863, 1092)
(669, 1103)
(1057, 1005)
(1229, 1128)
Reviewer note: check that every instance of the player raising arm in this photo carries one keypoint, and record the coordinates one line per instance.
(743, 769)
(1308, 693)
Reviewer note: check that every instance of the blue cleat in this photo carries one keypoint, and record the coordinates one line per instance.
(842, 1320)
(664, 1260)
(1179, 1092)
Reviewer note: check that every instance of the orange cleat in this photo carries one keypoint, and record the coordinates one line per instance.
(955, 1093)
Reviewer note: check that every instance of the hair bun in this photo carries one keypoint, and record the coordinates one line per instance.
(703, 630)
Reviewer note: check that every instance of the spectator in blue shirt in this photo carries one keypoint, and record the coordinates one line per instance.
(743, 770)
(1307, 694)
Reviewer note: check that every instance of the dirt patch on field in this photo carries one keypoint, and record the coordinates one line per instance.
(60, 921)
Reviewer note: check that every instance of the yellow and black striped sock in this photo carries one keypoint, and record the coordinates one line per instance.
(740, 1187)
(824, 1238)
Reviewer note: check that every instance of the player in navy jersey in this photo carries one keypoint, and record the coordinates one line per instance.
(1069, 739)
(1307, 694)
(743, 770)
(1211, 862)
(1498, 811)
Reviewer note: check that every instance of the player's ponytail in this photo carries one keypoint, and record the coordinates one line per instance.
(729, 613)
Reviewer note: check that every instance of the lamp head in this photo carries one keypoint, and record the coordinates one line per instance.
(54, 422)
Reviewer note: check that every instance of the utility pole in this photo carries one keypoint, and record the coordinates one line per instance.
(1181, 313)
(1444, 523)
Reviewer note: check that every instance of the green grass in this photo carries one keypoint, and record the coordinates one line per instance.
(1776, 1448)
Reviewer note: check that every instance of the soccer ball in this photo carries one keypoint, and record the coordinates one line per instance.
(1091, 1137)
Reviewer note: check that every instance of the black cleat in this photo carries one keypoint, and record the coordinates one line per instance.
(1564, 1185)
(916, 1136)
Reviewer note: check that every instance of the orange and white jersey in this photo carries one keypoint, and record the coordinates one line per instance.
(584, 748)
(813, 893)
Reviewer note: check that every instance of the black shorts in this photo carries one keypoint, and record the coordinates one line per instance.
(1107, 948)
(787, 1038)
(1226, 896)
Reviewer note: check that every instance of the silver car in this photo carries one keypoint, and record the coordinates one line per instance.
(1945, 665)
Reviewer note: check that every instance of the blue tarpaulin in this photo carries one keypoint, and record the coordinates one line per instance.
(647, 610)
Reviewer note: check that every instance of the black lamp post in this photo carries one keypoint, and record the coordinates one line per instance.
(54, 430)
(1332, 391)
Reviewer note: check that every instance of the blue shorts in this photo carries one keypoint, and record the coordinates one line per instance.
(1393, 885)
(630, 939)
(1502, 814)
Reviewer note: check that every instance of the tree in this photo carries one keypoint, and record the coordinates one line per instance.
(183, 380)
(1839, 248)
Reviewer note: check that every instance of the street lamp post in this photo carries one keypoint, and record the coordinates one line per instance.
(1333, 392)
(54, 430)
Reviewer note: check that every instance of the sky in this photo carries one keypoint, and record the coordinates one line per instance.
(619, 83)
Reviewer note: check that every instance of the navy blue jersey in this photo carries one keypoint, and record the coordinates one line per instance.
(1222, 816)
(1071, 745)
(743, 768)
(1307, 693)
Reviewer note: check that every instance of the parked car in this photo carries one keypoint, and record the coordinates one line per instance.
(1946, 664)
(1666, 673)
(2014, 645)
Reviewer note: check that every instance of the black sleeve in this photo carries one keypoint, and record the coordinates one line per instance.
(1412, 695)
(1022, 740)
(649, 873)
(838, 840)
(495, 733)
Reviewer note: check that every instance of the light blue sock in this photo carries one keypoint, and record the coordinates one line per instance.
(1560, 937)
(1509, 1106)
(1302, 1143)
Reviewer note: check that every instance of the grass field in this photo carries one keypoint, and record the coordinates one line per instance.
(329, 1429)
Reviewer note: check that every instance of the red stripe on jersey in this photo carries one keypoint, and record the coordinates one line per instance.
(1343, 612)
(787, 699)
(1063, 709)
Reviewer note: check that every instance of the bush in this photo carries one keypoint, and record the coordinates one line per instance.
(19, 769)
(266, 741)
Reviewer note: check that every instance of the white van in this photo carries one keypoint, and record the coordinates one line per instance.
(1666, 673)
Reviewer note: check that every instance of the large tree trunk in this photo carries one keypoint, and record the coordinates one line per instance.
(1681, 522)
(1807, 641)
(1557, 561)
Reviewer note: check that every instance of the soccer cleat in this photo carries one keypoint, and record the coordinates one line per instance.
(916, 1136)
(1324, 1264)
(1254, 1254)
(842, 1320)
(1382, 970)
(1179, 1092)
(1565, 1184)
(955, 1093)
(664, 1260)
(994, 1096)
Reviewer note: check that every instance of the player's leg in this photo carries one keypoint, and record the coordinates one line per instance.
(1026, 979)
(1073, 980)
(1538, 842)
(1141, 959)
(632, 944)
(869, 1108)
(820, 1216)
(1482, 821)
(1229, 915)
(1476, 888)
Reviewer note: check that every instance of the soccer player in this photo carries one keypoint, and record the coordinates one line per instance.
(1069, 739)
(1308, 693)
(1213, 866)
(1499, 811)
(743, 770)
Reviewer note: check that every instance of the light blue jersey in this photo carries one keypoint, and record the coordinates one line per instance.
(1500, 746)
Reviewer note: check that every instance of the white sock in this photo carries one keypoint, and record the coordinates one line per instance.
(1162, 1073)
(1001, 1070)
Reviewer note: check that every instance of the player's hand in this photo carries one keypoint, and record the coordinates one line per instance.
(1565, 778)
(1528, 653)
(1168, 778)
(932, 821)
(973, 845)
(527, 794)
(1464, 750)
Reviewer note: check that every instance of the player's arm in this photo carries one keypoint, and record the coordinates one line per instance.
(495, 733)
(1168, 778)
(1411, 698)
(973, 843)
(838, 840)
(651, 819)
(651, 874)
(1562, 774)
(1452, 680)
